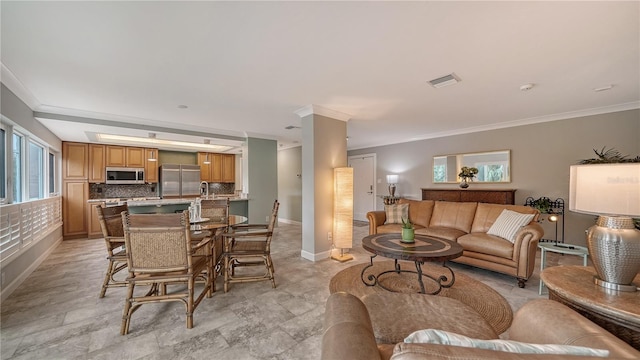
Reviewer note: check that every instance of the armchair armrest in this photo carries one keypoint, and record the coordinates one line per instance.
(376, 218)
(525, 247)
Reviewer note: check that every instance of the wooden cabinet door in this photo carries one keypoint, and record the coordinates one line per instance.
(97, 163)
(205, 169)
(74, 207)
(228, 168)
(216, 167)
(135, 157)
(151, 168)
(94, 230)
(75, 161)
(116, 156)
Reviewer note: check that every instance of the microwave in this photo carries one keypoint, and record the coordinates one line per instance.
(118, 175)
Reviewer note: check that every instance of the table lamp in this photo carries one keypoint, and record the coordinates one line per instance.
(392, 180)
(611, 191)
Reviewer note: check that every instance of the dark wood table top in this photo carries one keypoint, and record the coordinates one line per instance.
(424, 248)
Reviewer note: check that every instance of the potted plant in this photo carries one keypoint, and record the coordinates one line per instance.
(408, 232)
(467, 174)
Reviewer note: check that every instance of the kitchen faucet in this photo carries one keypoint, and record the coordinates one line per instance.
(204, 190)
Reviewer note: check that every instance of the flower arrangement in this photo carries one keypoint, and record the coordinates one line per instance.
(468, 172)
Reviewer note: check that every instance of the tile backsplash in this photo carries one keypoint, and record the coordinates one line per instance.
(107, 191)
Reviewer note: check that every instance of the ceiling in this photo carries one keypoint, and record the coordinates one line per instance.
(244, 68)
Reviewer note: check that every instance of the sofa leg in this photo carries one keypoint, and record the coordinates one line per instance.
(521, 283)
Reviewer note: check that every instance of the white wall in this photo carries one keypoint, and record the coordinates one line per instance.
(290, 184)
(540, 158)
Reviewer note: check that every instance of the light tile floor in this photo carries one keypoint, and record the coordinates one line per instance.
(56, 312)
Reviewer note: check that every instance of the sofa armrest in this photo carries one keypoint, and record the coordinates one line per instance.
(543, 321)
(376, 218)
(525, 247)
(348, 333)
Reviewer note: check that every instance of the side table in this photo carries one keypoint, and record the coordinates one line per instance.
(616, 311)
(560, 249)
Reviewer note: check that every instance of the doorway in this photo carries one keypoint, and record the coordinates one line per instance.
(364, 193)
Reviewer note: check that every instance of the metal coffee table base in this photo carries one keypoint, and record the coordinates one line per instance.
(442, 281)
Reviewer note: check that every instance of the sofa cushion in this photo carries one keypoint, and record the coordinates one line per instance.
(396, 212)
(454, 215)
(419, 211)
(396, 315)
(486, 215)
(441, 232)
(435, 336)
(508, 223)
(486, 244)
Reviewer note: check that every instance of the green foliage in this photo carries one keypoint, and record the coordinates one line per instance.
(609, 156)
(407, 224)
(543, 205)
(468, 172)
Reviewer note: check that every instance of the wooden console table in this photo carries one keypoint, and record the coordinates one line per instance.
(493, 196)
(616, 311)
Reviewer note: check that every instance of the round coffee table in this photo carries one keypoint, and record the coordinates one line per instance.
(424, 249)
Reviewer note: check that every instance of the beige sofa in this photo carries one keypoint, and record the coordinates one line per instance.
(350, 332)
(467, 223)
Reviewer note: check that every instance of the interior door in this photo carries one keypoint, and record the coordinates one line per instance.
(364, 197)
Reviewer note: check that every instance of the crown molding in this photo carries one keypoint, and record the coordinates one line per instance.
(17, 87)
(521, 122)
(319, 110)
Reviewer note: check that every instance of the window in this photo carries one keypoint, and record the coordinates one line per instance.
(16, 151)
(3, 169)
(52, 173)
(36, 171)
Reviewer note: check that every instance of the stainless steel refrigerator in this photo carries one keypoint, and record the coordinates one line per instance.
(179, 181)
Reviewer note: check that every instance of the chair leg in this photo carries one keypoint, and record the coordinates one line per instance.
(191, 286)
(227, 263)
(107, 278)
(126, 313)
(269, 264)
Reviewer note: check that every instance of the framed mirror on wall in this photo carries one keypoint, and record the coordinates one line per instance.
(493, 166)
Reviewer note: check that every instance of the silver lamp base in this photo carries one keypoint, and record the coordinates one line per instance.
(614, 247)
(392, 190)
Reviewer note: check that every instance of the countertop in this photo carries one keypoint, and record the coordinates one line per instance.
(157, 202)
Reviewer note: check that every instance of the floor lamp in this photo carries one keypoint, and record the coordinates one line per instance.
(343, 212)
(611, 191)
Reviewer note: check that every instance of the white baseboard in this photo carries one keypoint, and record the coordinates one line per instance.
(315, 257)
(9, 289)
(292, 222)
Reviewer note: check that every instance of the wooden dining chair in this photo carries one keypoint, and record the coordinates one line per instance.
(249, 245)
(160, 253)
(113, 233)
(216, 210)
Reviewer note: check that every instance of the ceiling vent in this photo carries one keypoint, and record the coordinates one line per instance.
(444, 81)
(292, 127)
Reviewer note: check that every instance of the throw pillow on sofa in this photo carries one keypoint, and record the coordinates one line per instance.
(508, 223)
(395, 213)
(433, 336)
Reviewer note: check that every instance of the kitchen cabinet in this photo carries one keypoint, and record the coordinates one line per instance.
(124, 156)
(221, 167)
(228, 168)
(151, 167)
(75, 161)
(74, 208)
(97, 163)
(205, 169)
(216, 167)
(94, 230)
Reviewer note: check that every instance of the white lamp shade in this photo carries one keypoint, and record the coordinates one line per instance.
(611, 189)
(392, 179)
(343, 207)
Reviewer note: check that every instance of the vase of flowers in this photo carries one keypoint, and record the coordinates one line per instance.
(467, 174)
(408, 232)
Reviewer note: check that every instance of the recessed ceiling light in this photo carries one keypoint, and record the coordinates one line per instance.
(445, 81)
(182, 107)
(292, 127)
(527, 87)
(603, 88)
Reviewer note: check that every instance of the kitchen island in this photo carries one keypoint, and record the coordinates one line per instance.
(237, 206)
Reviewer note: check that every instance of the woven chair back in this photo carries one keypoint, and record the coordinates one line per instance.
(215, 209)
(157, 242)
(111, 220)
